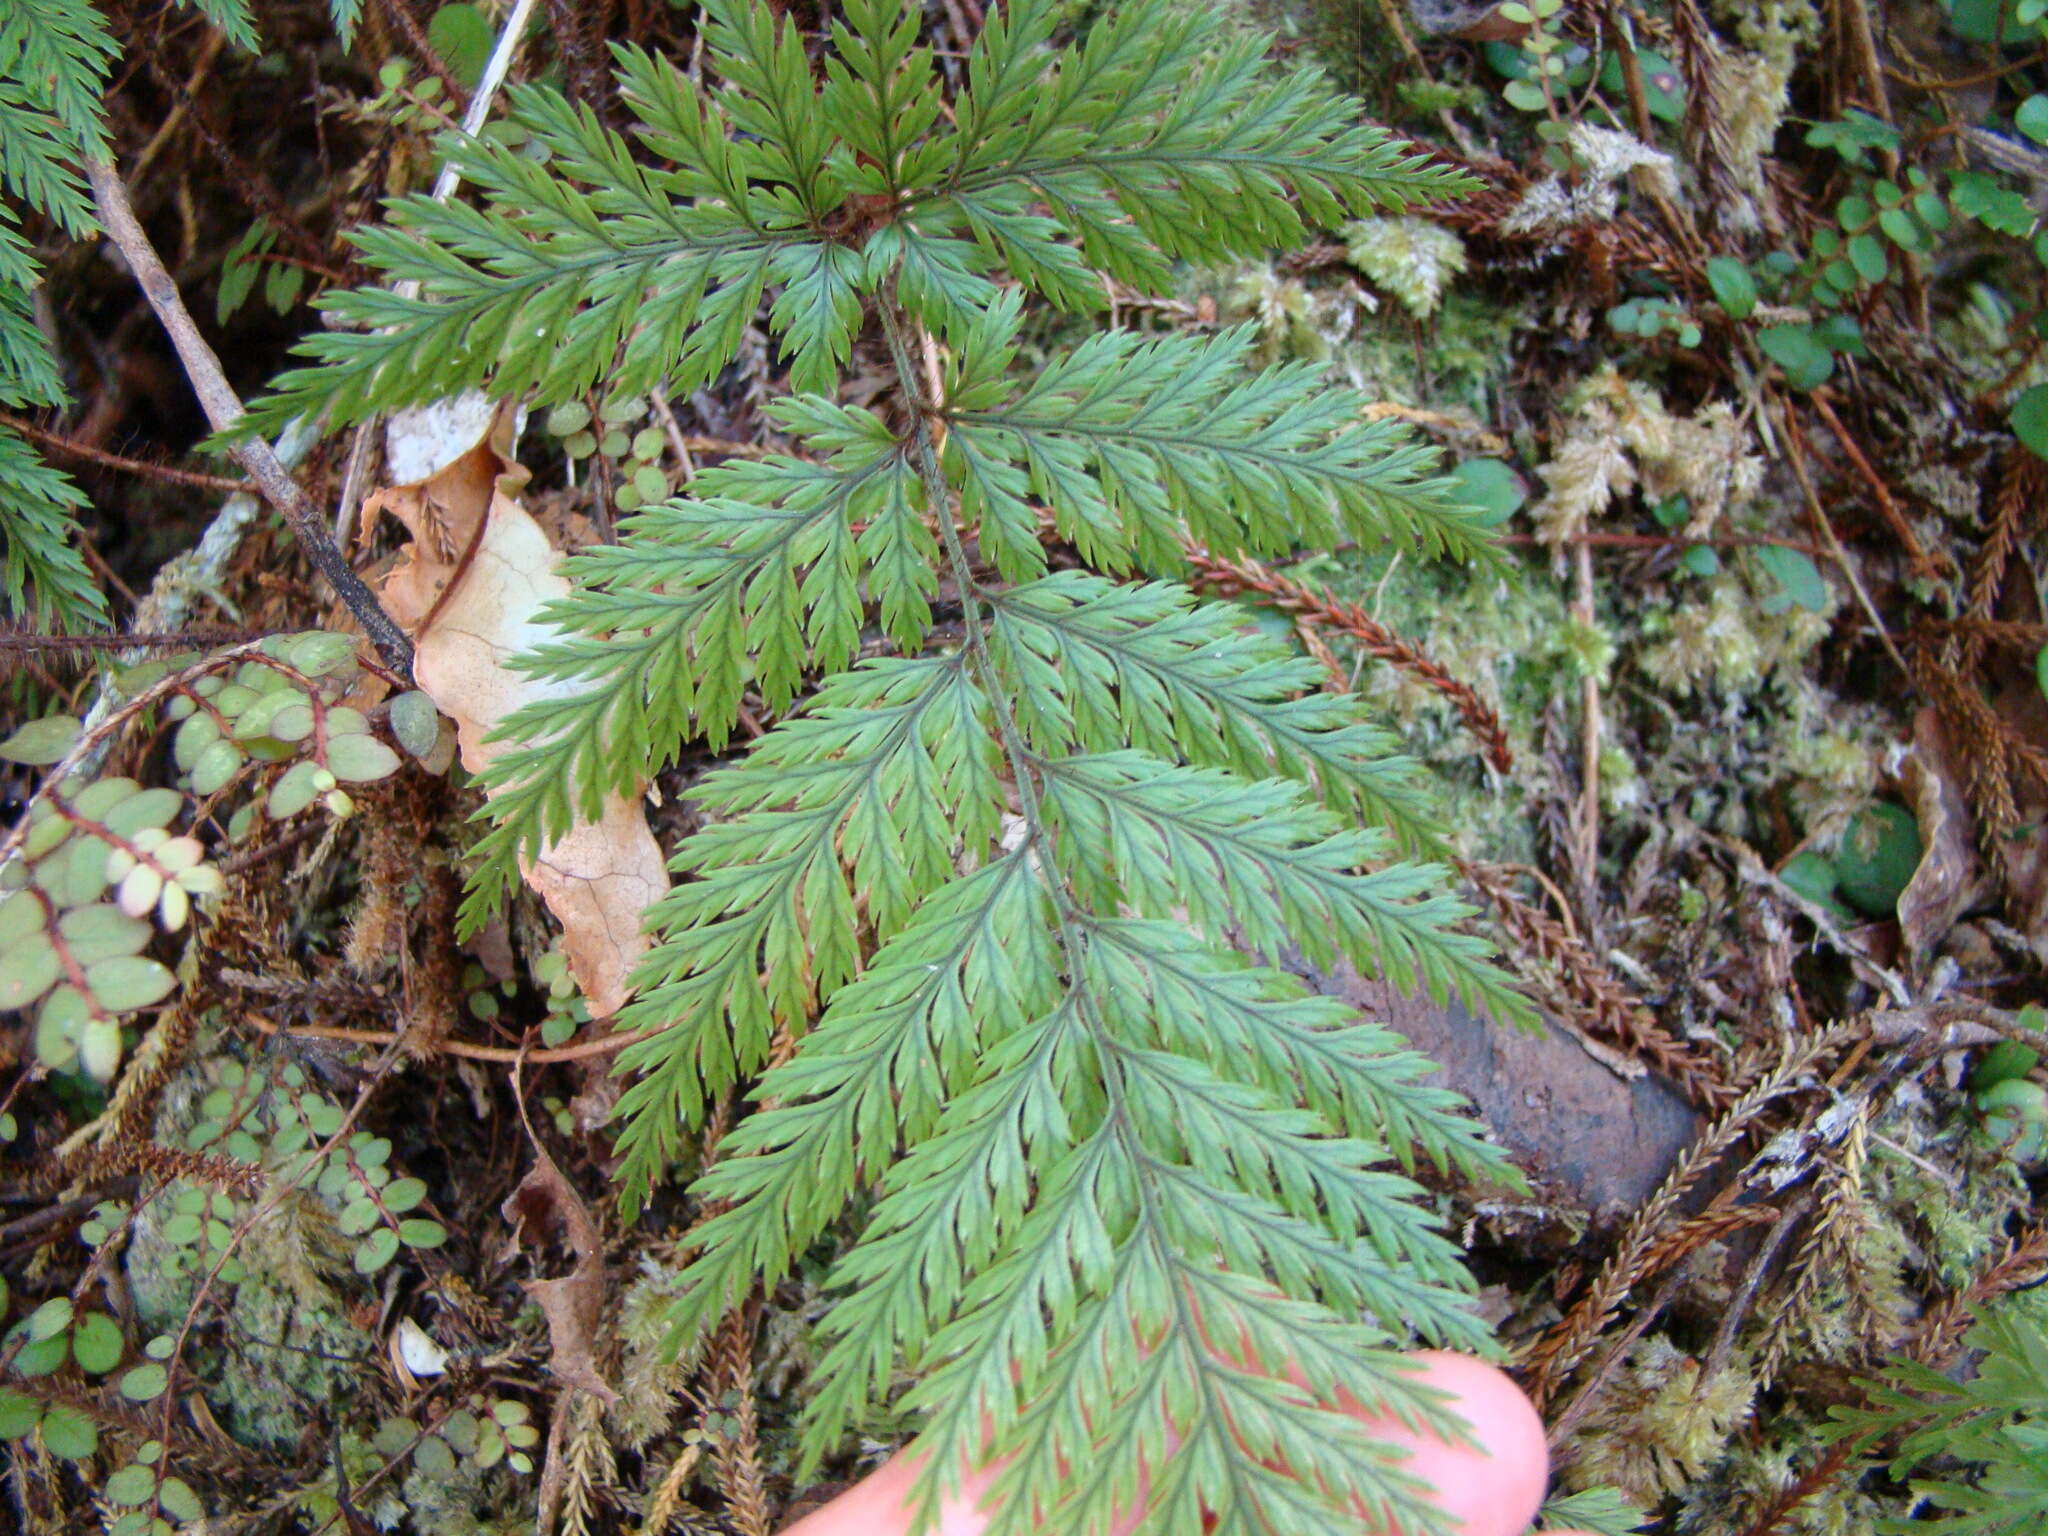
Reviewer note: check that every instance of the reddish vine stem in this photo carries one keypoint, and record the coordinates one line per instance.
(1236, 578)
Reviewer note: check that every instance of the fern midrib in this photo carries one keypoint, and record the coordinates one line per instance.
(1118, 1122)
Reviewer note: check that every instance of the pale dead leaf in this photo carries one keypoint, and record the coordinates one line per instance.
(1949, 879)
(545, 1208)
(469, 591)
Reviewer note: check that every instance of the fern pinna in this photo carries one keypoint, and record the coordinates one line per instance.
(998, 885)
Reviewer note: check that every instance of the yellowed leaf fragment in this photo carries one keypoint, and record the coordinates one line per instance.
(469, 592)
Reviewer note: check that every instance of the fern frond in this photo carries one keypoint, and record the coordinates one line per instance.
(1295, 1045)
(889, 1050)
(238, 26)
(972, 919)
(750, 582)
(893, 761)
(1095, 665)
(1261, 860)
(539, 289)
(1127, 436)
(54, 58)
(35, 156)
(1158, 140)
(883, 92)
(770, 96)
(28, 373)
(46, 580)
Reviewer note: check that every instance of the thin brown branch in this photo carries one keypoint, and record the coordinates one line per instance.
(71, 448)
(606, 1045)
(223, 410)
(1923, 564)
(181, 640)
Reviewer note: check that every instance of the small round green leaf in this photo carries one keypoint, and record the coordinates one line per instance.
(50, 1319)
(402, 1195)
(1700, 560)
(100, 932)
(1796, 579)
(415, 722)
(1734, 288)
(68, 1434)
(296, 788)
(2030, 419)
(1805, 361)
(360, 759)
(131, 1485)
(145, 1382)
(28, 969)
(418, 1232)
(96, 1344)
(19, 1413)
(376, 1250)
(180, 1502)
(2032, 118)
(1492, 486)
(214, 766)
(42, 742)
(318, 653)
(128, 982)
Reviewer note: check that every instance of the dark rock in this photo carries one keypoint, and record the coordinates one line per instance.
(1567, 1119)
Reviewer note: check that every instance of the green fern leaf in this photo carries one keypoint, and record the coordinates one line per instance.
(46, 580)
(751, 581)
(1258, 859)
(968, 922)
(54, 58)
(892, 761)
(1095, 665)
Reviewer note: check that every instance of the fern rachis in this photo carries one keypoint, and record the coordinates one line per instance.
(990, 886)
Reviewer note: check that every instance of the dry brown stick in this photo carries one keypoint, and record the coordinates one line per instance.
(1795, 439)
(1552, 1356)
(1233, 578)
(1605, 1007)
(605, 1045)
(223, 410)
(57, 443)
(180, 640)
(1922, 563)
(1588, 828)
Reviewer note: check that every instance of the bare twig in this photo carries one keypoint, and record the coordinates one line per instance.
(67, 447)
(223, 410)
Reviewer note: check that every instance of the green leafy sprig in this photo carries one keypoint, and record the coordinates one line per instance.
(986, 901)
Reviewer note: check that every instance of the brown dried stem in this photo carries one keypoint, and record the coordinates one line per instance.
(1599, 1002)
(223, 410)
(1235, 578)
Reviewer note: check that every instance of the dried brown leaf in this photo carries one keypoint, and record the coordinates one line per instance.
(546, 1209)
(469, 591)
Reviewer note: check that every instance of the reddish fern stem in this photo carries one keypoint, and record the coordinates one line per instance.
(1236, 578)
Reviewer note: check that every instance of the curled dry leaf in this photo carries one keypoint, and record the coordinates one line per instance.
(1950, 878)
(546, 1208)
(469, 591)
